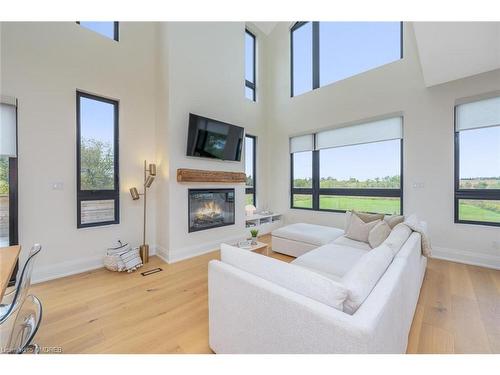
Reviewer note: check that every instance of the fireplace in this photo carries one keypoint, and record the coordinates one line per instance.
(210, 208)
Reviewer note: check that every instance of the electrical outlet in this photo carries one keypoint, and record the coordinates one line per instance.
(418, 185)
(496, 245)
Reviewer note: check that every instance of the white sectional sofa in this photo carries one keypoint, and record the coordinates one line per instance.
(342, 297)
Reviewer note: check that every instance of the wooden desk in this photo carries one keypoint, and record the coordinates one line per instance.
(8, 259)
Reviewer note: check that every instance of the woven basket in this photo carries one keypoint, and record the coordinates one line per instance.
(112, 259)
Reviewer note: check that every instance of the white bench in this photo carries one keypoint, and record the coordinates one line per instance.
(297, 239)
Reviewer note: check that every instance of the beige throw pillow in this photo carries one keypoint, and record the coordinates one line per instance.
(378, 234)
(366, 217)
(393, 220)
(358, 230)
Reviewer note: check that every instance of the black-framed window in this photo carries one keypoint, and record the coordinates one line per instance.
(250, 169)
(250, 68)
(98, 191)
(8, 174)
(477, 162)
(337, 173)
(326, 52)
(110, 29)
(9, 177)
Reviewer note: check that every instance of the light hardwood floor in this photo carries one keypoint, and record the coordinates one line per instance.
(107, 312)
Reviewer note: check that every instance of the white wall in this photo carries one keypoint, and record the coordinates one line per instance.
(428, 138)
(205, 70)
(43, 64)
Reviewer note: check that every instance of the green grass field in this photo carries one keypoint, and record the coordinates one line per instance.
(477, 210)
(370, 204)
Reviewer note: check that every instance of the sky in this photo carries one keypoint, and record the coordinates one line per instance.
(366, 161)
(104, 28)
(248, 58)
(479, 157)
(248, 156)
(97, 120)
(346, 49)
(480, 152)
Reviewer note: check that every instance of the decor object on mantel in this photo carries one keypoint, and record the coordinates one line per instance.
(250, 209)
(149, 177)
(197, 175)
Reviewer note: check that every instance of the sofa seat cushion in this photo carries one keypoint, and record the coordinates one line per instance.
(308, 233)
(297, 279)
(331, 259)
(344, 241)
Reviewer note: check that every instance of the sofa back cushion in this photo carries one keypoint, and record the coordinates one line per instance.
(364, 275)
(289, 276)
(399, 235)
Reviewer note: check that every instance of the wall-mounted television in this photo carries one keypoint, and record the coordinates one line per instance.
(208, 138)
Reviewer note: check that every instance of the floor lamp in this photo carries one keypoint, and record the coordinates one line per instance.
(149, 177)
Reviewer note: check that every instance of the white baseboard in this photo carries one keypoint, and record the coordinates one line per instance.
(193, 251)
(72, 267)
(467, 257)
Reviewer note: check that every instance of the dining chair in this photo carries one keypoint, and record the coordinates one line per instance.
(19, 329)
(14, 298)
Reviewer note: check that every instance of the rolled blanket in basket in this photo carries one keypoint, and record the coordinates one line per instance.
(131, 259)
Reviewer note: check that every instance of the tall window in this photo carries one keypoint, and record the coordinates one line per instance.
(250, 49)
(107, 29)
(250, 169)
(327, 52)
(477, 162)
(351, 168)
(97, 161)
(8, 173)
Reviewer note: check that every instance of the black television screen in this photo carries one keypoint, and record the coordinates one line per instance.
(214, 139)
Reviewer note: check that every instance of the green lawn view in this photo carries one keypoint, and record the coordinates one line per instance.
(479, 210)
(248, 199)
(331, 202)
(472, 210)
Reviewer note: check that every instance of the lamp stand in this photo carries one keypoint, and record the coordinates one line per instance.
(144, 248)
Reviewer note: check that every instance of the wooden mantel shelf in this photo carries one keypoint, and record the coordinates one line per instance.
(197, 175)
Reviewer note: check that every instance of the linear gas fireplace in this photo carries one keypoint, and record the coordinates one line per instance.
(210, 208)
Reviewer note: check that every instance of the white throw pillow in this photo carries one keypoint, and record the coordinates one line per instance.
(365, 274)
(358, 230)
(289, 276)
(378, 234)
(398, 237)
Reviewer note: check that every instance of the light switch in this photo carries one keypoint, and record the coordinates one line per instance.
(58, 186)
(418, 185)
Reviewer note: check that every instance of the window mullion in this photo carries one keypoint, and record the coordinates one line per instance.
(315, 52)
(315, 177)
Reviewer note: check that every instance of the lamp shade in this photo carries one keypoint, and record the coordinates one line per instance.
(149, 181)
(8, 131)
(152, 169)
(134, 193)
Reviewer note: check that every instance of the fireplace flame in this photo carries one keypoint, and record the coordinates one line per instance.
(209, 209)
